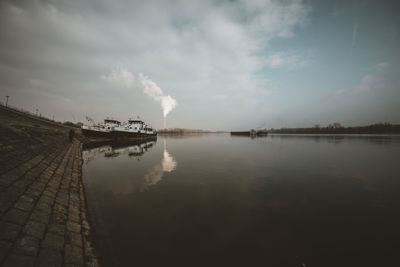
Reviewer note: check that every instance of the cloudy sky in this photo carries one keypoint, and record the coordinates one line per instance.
(234, 64)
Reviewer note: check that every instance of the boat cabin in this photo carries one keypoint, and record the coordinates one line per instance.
(110, 123)
(135, 125)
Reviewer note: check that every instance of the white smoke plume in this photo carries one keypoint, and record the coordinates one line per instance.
(125, 79)
(155, 92)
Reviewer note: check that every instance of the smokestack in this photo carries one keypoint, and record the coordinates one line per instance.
(152, 90)
(165, 123)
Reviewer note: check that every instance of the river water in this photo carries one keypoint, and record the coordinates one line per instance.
(217, 200)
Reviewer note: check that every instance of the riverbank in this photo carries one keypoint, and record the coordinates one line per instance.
(336, 128)
(43, 212)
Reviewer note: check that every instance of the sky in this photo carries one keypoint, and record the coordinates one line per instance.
(217, 65)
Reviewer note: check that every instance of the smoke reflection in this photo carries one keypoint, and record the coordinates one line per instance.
(154, 176)
(141, 178)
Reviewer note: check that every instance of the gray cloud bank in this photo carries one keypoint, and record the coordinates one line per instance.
(208, 54)
(204, 52)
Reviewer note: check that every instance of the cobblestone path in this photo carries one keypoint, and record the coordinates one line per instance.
(43, 217)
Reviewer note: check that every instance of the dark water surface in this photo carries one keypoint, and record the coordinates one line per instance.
(217, 200)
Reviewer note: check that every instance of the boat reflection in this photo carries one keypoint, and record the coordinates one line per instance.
(154, 176)
(133, 150)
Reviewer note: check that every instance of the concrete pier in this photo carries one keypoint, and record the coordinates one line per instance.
(43, 215)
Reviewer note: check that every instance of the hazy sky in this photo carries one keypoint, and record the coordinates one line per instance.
(235, 64)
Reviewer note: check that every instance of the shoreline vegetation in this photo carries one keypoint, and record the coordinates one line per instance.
(337, 128)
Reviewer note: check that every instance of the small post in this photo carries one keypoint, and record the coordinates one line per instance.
(7, 100)
(71, 135)
(165, 124)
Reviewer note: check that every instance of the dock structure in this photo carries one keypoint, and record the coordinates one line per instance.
(243, 133)
(251, 133)
(43, 212)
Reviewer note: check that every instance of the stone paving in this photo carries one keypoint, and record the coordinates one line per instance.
(43, 216)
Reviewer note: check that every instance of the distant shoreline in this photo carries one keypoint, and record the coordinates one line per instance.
(181, 131)
(378, 128)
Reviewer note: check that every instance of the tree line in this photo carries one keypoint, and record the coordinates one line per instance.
(337, 128)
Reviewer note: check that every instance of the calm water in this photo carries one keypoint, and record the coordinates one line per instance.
(217, 200)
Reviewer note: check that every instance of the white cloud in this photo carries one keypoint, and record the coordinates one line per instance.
(287, 59)
(120, 77)
(371, 81)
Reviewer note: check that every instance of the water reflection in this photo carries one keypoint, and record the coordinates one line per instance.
(168, 164)
(138, 181)
(274, 201)
(340, 138)
(109, 150)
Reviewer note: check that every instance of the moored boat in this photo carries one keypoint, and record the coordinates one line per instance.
(101, 129)
(114, 129)
(133, 128)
